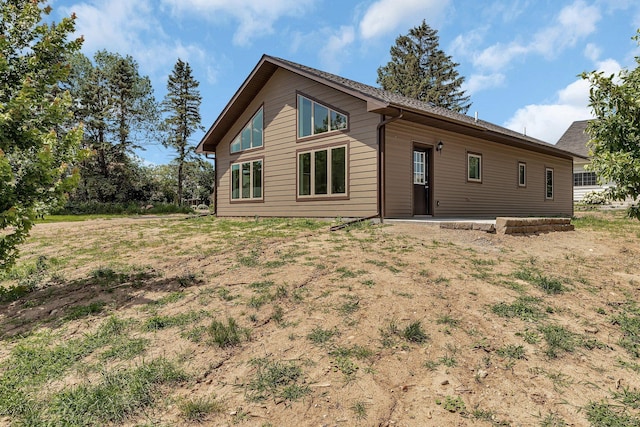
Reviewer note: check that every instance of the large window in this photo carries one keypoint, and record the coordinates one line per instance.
(246, 180)
(315, 118)
(549, 183)
(474, 167)
(323, 172)
(582, 179)
(522, 174)
(251, 135)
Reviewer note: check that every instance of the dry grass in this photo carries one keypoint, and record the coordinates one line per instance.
(284, 323)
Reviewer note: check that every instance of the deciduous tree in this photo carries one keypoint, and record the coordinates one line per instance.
(615, 132)
(420, 69)
(37, 149)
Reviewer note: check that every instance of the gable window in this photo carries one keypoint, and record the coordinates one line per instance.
(251, 135)
(522, 174)
(583, 179)
(549, 183)
(246, 180)
(315, 118)
(323, 172)
(474, 167)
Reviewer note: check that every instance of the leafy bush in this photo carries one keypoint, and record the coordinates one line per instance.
(595, 198)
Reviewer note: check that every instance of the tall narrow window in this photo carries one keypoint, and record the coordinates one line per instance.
(522, 174)
(246, 180)
(323, 172)
(315, 118)
(549, 183)
(474, 167)
(251, 135)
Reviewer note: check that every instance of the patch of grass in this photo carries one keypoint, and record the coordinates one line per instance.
(559, 340)
(602, 414)
(158, 322)
(357, 351)
(629, 398)
(448, 360)
(126, 349)
(199, 408)
(320, 336)
(78, 311)
(277, 315)
(347, 366)
(168, 299)
(448, 320)
(252, 259)
(360, 410)
(277, 380)
(453, 404)
(350, 306)
(414, 333)
(524, 308)
(511, 351)
(552, 420)
(629, 323)
(225, 294)
(226, 335)
(119, 395)
(368, 283)
(383, 264)
(346, 273)
(549, 285)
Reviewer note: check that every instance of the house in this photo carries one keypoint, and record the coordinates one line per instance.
(297, 141)
(574, 140)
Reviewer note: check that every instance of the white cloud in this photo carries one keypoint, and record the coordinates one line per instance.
(549, 121)
(573, 23)
(255, 17)
(114, 24)
(333, 52)
(479, 82)
(385, 16)
(592, 52)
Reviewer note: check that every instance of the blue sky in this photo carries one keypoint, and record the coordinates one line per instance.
(520, 58)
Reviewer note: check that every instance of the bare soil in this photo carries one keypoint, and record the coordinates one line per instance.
(359, 284)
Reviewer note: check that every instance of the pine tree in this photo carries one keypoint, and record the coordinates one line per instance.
(182, 104)
(420, 69)
(118, 109)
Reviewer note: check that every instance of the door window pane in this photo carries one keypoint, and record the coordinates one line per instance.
(418, 167)
(338, 170)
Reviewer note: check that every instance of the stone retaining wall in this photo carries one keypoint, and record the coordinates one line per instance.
(506, 225)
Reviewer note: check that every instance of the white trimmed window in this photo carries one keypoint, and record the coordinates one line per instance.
(315, 118)
(522, 174)
(583, 179)
(323, 172)
(549, 183)
(250, 136)
(246, 180)
(474, 167)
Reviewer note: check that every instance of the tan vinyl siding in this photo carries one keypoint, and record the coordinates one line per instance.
(497, 195)
(280, 119)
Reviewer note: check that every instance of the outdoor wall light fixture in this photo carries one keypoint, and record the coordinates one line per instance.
(439, 146)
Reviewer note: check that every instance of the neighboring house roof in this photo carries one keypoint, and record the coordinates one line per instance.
(575, 138)
(378, 101)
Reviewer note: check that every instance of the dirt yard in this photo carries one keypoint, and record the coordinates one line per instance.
(393, 325)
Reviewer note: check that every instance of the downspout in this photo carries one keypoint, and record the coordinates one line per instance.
(381, 135)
